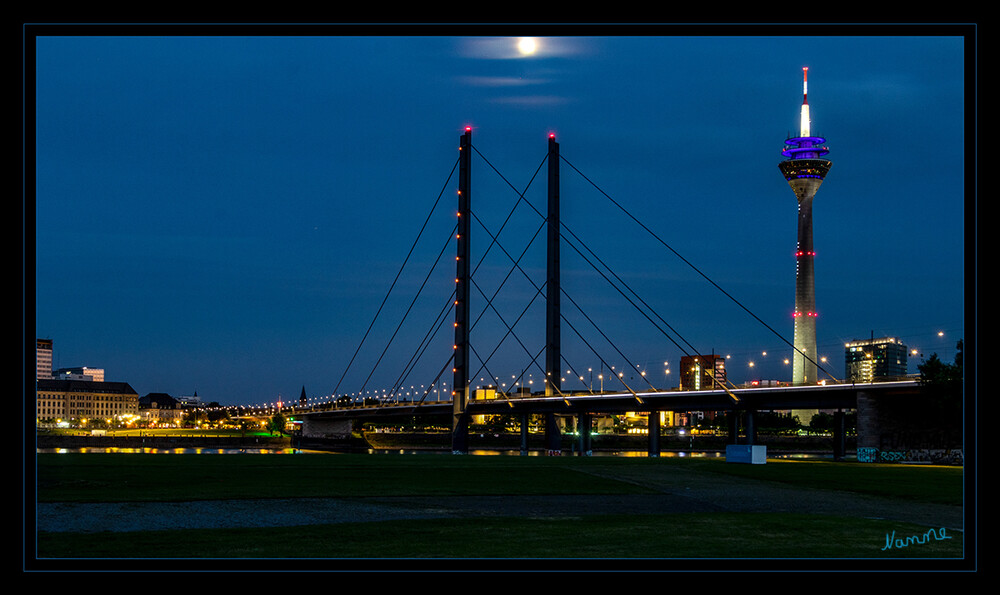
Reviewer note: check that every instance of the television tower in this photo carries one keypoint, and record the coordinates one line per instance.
(805, 171)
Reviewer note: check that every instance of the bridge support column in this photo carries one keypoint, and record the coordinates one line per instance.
(732, 420)
(524, 434)
(653, 423)
(869, 427)
(751, 426)
(583, 427)
(553, 437)
(839, 435)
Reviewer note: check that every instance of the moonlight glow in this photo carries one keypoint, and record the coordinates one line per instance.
(527, 46)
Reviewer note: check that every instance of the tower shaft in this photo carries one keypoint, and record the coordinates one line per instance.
(805, 170)
(804, 370)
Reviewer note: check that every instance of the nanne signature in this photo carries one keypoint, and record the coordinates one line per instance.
(891, 541)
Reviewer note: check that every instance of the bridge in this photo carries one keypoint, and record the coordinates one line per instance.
(554, 402)
(334, 420)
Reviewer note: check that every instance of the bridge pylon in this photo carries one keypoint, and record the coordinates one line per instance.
(460, 379)
(553, 342)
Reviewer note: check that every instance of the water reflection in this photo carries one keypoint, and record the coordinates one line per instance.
(196, 451)
(404, 451)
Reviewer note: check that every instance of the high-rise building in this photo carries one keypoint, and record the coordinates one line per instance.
(805, 171)
(874, 359)
(43, 359)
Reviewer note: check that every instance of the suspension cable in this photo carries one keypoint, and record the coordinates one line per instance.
(424, 344)
(713, 283)
(405, 260)
(412, 303)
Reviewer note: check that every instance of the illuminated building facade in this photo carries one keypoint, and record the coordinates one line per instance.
(84, 399)
(874, 359)
(43, 358)
(804, 170)
(700, 372)
(79, 373)
(161, 409)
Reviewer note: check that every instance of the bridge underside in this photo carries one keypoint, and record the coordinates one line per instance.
(583, 406)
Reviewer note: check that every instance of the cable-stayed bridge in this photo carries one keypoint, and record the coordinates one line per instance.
(457, 370)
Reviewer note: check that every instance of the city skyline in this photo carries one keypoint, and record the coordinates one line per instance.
(224, 215)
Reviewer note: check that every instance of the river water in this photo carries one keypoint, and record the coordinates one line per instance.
(404, 451)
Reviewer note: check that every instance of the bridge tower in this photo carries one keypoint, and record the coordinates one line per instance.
(805, 170)
(460, 369)
(553, 356)
(553, 344)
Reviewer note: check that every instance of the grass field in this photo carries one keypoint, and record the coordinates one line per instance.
(651, 535)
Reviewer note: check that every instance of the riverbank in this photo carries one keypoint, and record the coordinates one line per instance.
(599, 442)
(425, 441)
(160, 441)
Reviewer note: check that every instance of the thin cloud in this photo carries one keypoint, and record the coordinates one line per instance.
(500, 81)
(533, 100)
(506, 48)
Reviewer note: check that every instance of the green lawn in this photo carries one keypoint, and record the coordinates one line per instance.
(144, 477)
(152, 478)
(704, 536)
(923, 483)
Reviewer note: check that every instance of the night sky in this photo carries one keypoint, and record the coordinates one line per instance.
(223, 215)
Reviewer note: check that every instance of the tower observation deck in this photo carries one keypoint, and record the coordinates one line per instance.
(805, 169)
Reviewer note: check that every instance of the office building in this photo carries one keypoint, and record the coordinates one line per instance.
(874, 359)
(43, 358)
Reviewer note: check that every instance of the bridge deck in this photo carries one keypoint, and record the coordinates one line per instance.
(835, 396)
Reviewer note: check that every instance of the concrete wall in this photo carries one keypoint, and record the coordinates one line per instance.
(878, 443)
(869, 434)
(326, 428)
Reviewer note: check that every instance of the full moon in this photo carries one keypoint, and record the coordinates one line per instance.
(527, 46)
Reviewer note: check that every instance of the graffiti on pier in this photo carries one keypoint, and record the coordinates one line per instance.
(934, 456)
